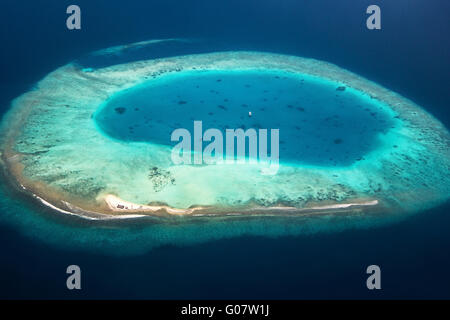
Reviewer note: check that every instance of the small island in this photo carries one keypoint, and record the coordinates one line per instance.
(95, 142)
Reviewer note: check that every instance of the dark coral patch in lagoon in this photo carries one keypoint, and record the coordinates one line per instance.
(120, 110)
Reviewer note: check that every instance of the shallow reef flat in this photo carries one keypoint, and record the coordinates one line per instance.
(53, 148)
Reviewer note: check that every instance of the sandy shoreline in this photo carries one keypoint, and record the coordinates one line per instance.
(119, 205)
(129, 210)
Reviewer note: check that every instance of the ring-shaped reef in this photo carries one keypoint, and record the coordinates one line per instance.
(95, 142)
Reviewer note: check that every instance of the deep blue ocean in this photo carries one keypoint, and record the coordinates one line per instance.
(409, 55)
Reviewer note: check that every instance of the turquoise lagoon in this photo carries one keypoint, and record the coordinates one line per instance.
(320, 123)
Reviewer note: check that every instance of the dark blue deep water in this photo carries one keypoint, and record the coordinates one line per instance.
(410, 55)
